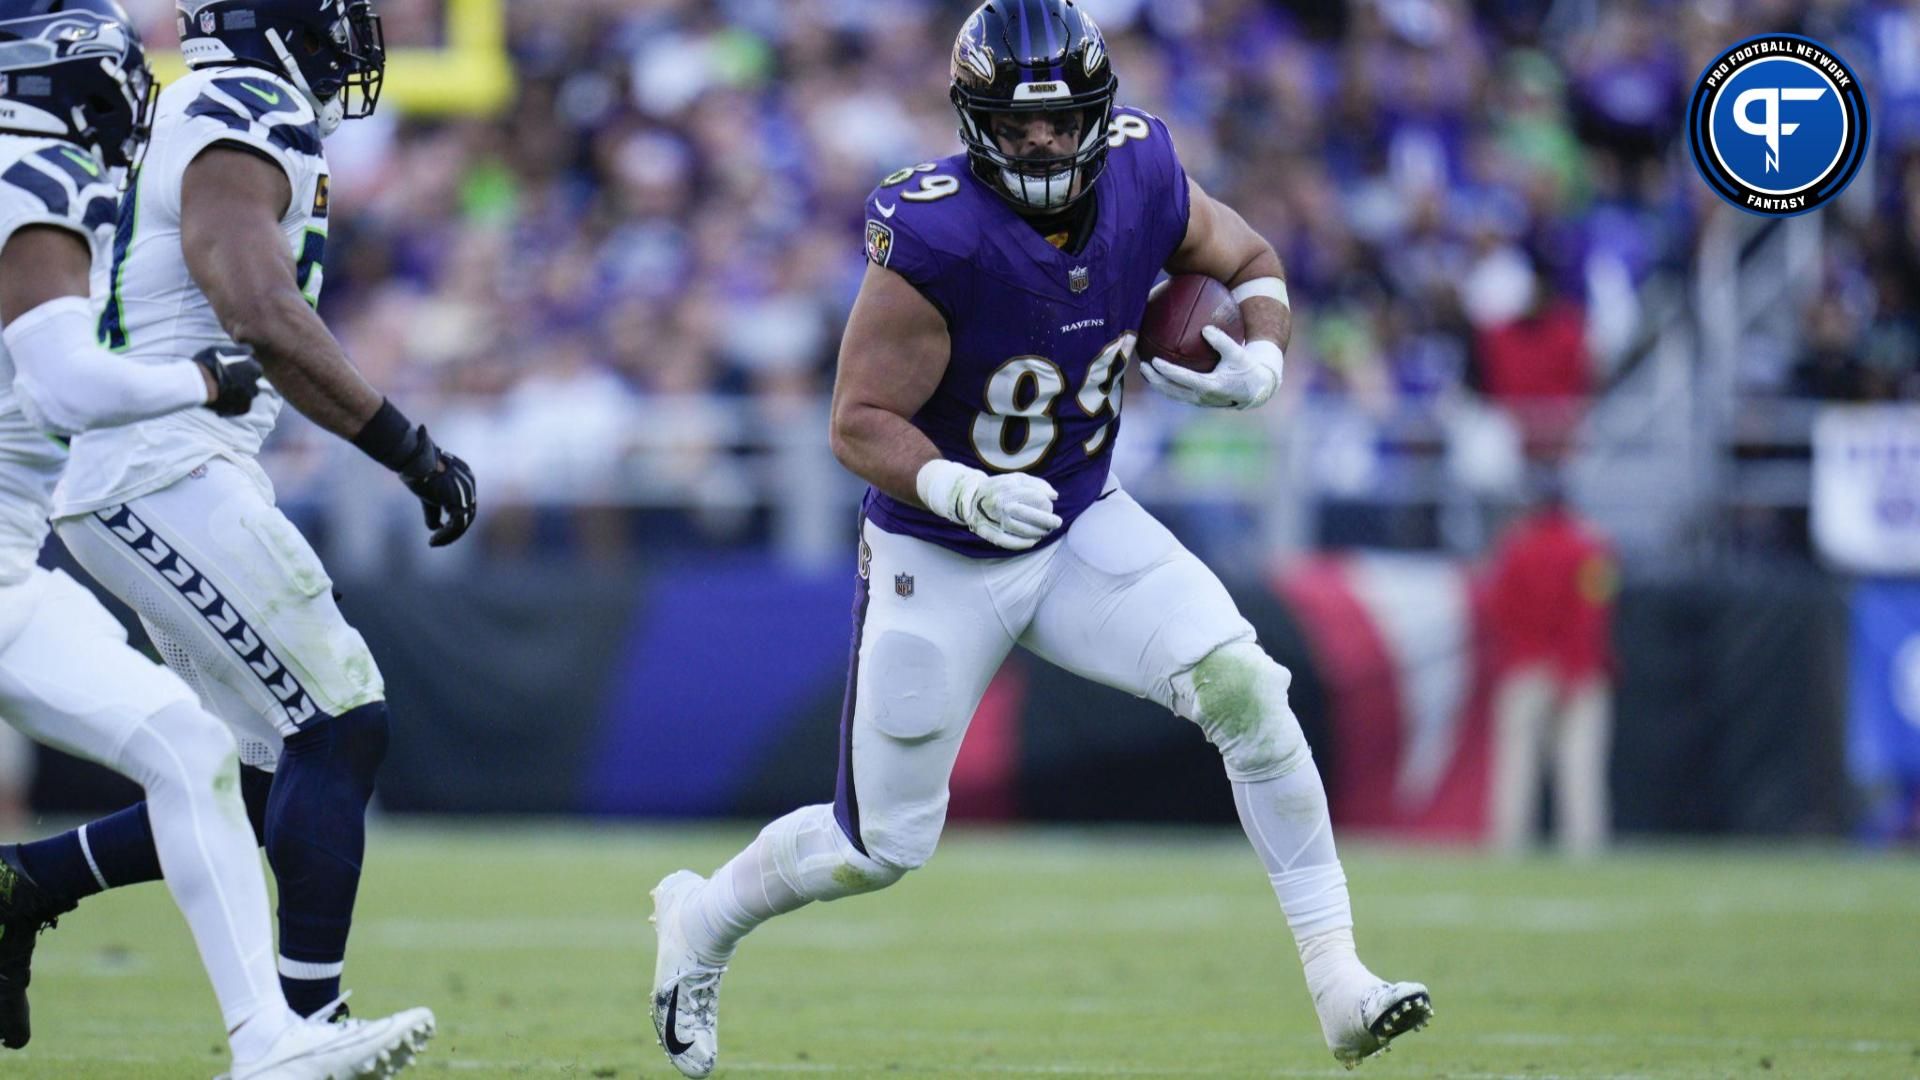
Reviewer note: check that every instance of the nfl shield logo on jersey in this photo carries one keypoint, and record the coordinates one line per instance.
(6, 85)
(1078, 279)
(206, 22)
(903, 585)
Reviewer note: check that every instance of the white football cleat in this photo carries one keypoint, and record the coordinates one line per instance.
(686, 989)
(1368, 1024)
(345, 1049)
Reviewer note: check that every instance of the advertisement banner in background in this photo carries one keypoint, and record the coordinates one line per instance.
(1395, 642)
(1866, 488)
(1883, 733)
(712, 687)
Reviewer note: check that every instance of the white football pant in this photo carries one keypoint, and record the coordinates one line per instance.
(235, 600)
(68, 679)
(1117, 600)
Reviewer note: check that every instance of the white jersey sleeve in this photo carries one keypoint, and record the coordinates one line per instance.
(154, 312)
(245, 108)
(50, 183)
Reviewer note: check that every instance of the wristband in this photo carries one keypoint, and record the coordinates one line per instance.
(389, 438)
(1270, 287)
(947, 487)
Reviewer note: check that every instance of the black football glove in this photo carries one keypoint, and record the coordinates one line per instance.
(444, 485)
(236, 378)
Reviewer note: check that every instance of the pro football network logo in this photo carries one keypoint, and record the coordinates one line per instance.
(1778, 125)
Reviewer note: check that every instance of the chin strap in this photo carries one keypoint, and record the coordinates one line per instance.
(329, 113)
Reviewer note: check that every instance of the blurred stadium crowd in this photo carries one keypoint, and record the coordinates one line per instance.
(1468, 198)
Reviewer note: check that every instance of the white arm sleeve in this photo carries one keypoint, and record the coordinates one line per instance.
(68, 384)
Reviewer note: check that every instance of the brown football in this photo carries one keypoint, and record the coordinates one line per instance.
(1177, 309)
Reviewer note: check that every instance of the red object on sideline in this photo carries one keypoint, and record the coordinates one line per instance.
(1543, 355)
(1552, 584)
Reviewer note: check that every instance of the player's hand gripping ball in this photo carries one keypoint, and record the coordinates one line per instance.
(1196, 347)
(1178, 309)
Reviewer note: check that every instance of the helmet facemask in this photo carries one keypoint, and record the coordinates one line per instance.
(340, 69)
(1026, 60)
(1041, 184)
(124, 144)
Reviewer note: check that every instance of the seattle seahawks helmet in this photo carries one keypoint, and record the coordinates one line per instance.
(1033, 57)
(75, 70)
(332, 50)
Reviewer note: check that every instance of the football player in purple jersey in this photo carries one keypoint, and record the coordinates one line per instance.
(979, 394)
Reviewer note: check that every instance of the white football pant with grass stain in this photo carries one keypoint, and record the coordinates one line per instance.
(1118, 600)
(236, 601)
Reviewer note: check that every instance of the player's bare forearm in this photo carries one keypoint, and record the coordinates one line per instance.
(882, 448)
(1221, 245)
(231, 202)
(891, 360)
(1266, 319)
(304, 362)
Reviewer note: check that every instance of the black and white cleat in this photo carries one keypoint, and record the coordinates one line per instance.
(1387, 1012)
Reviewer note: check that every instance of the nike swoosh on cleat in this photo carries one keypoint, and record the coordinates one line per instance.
(271, 99)
(885, 210)
(670, 1032)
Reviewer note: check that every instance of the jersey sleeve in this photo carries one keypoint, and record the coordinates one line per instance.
(61, 186)
(1162, 178)
(895, 244)
(262, 114)
(892, 241)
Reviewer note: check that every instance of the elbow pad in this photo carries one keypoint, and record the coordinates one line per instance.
(67, 384)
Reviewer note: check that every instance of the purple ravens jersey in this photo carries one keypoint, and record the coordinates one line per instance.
(1040, 337)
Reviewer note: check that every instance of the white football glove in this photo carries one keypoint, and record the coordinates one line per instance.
(1012, 510)
(1245, 378)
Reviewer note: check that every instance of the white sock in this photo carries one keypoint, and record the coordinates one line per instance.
(186, 762)
(796, 860)
(1287, 820)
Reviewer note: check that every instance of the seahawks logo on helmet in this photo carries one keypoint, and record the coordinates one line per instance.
(79, 74)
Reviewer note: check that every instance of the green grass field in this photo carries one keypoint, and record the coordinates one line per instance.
(1062, 953)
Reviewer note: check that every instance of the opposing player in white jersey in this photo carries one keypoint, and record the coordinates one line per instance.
(75, 97)
(979, 393)
(220, 239)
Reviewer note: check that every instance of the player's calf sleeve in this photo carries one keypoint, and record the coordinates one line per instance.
(118, 849)
(105, 854)
(187, 761)
(1239, 698)
(796, 860)
(316, 838)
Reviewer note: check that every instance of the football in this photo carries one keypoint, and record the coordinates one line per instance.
(1177, 310)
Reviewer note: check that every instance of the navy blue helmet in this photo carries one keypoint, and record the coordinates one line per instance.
(332, 50)
(75, 70)
(1034, 57)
